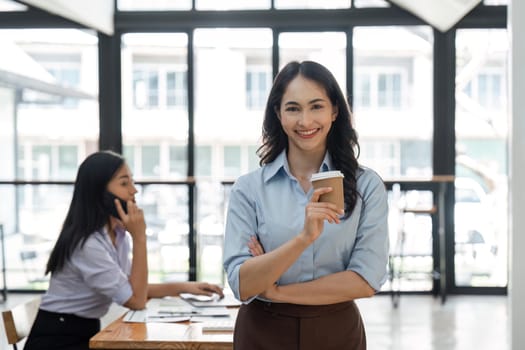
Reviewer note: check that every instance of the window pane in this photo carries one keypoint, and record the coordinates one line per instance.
(178, 160)
(392, 100)
(40, 212)
(371, 3)
(166, 214)
(176, 83)
(153, 5)
(51, 88)
(230, 99)
(495, 2)
(204, 161)
(55, 95)
(327, 48)
(481, 161)
(312, 4)
(8, 5)
(231, 82)
(155, 142)
(253, 158)
(410, 232)
(225, 5)
(232, 161)
(155, 103)
(258, 84)
(150, 161)
(67, 161)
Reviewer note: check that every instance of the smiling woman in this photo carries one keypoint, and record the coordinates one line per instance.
(306, 115)
(297, 262)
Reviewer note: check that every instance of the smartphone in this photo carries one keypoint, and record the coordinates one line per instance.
(109, 204)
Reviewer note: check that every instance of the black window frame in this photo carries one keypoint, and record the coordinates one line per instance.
(279, 21)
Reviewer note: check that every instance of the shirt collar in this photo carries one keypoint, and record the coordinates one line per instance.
(281, 164)
(120, 233)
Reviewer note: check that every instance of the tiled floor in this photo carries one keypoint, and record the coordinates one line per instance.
(419, 323)
(423, 323)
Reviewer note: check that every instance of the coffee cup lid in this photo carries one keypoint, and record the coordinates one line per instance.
(326, 175)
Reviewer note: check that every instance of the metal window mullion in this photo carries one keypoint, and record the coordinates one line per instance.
(444, 143)
(110, 92)
(192, 193)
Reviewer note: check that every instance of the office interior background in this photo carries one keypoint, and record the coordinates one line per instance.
(180, 87)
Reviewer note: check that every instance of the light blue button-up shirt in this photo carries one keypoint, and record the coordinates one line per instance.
(270, 203)
(95, 276)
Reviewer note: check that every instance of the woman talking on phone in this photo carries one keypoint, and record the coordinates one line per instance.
(90, 266)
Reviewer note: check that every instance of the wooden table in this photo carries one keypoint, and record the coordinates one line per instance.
(182, 336)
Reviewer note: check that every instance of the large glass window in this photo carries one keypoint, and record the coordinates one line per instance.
(224, 5)
(371, 3)
(160, 87)
(155, 104)
(166, 212)
(258, 84)
(153, 5)
(49, 117)
(496, 2)
(233, 74)
(155, 140)
(327, 48)
(312, 4)
(392, 99)
(481, 162)
(380, 89)
(8, 5)
(392, 106)
(49, 122)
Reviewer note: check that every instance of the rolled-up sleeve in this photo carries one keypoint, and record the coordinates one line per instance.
(241, 223)
(370, 254)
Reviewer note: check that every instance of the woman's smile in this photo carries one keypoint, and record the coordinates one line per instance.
(307, 134)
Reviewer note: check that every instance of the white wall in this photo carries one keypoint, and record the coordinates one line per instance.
(517, 177)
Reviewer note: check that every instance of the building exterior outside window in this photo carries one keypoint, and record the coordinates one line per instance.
(391, 100)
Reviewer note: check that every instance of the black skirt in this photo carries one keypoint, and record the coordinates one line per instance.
(275, 326)
(57, 331)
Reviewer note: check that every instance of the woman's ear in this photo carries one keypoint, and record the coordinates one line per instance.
(277, 112)
(335, 113)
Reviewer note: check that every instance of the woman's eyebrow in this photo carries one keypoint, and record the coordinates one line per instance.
(315, 100)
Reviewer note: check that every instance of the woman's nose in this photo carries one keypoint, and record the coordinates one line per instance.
(305, 118)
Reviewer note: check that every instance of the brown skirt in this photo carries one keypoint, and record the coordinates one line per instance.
(275, 326)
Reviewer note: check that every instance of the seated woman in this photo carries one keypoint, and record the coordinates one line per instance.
(90, 264)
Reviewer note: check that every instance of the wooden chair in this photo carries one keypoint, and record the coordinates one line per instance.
(18, 321)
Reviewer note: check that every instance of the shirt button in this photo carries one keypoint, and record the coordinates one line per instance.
(61, 319)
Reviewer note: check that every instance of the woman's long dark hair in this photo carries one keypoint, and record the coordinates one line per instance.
(342, 137)
(86, 212)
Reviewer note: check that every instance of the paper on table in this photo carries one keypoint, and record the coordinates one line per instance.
(167, 318)
(172, 310)
(135, 316)
(141, 316)
(218, 324)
